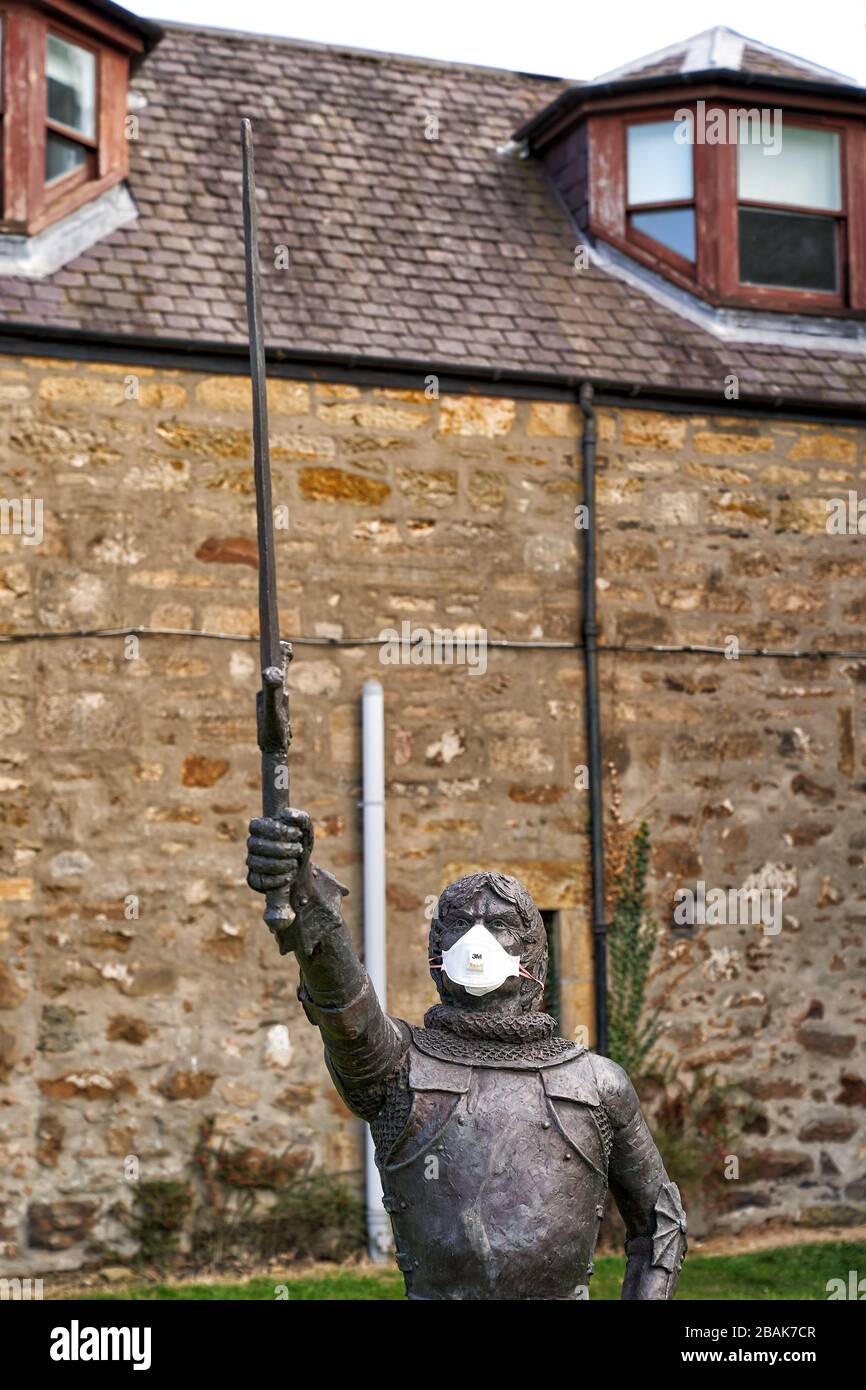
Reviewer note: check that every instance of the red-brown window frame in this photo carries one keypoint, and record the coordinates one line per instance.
(715, 273)
(29, 203)
(771, 296)
(643, 240)
(60, 186)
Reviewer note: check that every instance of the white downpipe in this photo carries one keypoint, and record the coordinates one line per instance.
(379, 1242)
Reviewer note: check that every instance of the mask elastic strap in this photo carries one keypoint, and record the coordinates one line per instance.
(435, 963)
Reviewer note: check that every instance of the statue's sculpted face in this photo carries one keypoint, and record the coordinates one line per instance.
(484, 908)
(504, 908)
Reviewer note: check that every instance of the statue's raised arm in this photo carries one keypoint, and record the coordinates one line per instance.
(363, 1047)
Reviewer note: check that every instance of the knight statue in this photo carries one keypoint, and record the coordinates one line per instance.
(496, 1139)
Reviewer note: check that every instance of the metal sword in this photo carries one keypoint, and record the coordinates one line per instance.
(272, 705)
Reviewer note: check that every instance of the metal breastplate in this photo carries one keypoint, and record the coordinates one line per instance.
(496, 1184)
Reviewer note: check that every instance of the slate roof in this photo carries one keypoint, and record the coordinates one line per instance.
(727, 50)
(758, 59)
(441, 251)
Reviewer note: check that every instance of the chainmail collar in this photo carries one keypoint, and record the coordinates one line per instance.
(465, 1023)
(520, 1041)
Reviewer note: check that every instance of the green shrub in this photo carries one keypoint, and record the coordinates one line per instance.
(691, 1120)
(631, 942)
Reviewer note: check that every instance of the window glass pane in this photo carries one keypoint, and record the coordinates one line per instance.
(71, 74)
(804, 172)
(673, 227)
(659, 169)
(788, 249)
(61, 156)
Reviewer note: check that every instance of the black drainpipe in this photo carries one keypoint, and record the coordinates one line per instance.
(593, 722)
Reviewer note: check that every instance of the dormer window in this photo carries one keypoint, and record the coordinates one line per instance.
(727, 168)
(65, 66)
(775, 186)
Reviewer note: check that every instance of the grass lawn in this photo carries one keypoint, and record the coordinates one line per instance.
(792, 1272)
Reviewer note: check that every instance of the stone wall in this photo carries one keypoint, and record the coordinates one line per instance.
(140, 992)
(750, 772)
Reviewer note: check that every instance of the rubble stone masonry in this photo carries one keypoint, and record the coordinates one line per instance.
(139, 990)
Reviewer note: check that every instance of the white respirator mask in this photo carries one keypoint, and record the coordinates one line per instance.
(478, 962)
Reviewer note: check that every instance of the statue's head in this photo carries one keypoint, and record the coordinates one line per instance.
(480, 921)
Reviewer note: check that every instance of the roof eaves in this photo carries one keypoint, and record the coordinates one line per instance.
(147, 29)
(319, 364)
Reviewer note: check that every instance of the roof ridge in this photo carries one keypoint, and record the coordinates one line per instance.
(352, 51)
